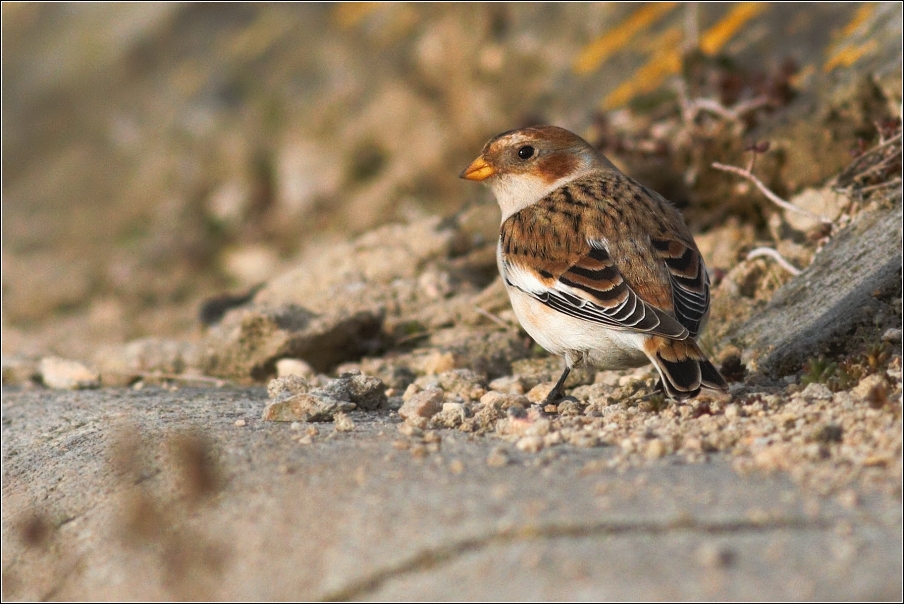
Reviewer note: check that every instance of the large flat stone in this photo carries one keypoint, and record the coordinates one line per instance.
(829, 298)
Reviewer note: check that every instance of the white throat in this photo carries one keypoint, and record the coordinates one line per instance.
(516, 192)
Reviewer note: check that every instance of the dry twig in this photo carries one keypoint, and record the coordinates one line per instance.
(768, 193)
(492, 317)
(877, 160)
(771, 253)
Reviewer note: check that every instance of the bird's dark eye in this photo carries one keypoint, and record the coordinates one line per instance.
(526, 152)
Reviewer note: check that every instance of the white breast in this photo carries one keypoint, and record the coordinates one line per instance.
(560, 334)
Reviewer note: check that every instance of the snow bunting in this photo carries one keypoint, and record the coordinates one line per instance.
(599, 268)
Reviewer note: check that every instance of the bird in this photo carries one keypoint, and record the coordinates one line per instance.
(599, 268)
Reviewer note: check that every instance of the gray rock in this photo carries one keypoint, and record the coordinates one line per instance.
(248, 342)
(365, 391)
(307, 407)
(284, 387)
(296, 399)
(828, 298)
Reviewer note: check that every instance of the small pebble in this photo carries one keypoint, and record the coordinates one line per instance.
(892, 335)
(655, 449)
(498, 457)
(343, 422)
(538, 393)
(711, 555)
(530, 444)
(849, 499)
(408, 430)
(424, 404)
(287, 367)
(239, 423)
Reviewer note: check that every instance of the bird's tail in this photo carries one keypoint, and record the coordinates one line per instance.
(683, 367)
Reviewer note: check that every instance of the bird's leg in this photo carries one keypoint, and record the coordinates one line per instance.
(558, 390)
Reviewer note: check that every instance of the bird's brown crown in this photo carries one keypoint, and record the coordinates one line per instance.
(548, 152)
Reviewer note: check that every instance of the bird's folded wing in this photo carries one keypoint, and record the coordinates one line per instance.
(592, 289)
(690, 283)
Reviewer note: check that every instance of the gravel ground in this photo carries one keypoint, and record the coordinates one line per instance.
(187, 494)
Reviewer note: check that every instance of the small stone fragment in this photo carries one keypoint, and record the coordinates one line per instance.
(283, 387)
(452, 416)
(307, 407)
(439, 362)
(410, 430)
(419, 450)
(64, 374)
(239, 423)
(711, 555)
(343, 422)
(849, 499)
(569, 407)
(892, 335)
(539, 427)
(366, 391)
(461, 382)
(394, 403)
(816, 391)
(830, 433)
(287, 367)
(509, 384)
(410, 391)
(424, 404)
(456, 466)
(655, 449)
(867, 385)
(538, 393)
(530, 444)
(492, 399)
(583, 438)
(552, 439)
(498, 457)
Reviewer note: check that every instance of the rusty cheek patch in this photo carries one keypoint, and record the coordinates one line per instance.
(555, 166)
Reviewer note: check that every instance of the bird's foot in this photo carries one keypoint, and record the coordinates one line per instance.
(555, 396)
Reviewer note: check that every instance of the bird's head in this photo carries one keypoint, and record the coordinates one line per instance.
(523, 166)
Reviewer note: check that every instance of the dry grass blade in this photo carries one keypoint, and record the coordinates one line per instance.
(768, 193)
(884, 158)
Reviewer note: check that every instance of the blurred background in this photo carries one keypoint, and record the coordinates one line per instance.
(155, 155)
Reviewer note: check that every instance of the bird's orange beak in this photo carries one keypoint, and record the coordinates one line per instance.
(478, 170)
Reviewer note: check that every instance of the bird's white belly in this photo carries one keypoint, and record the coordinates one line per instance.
(560, 334)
